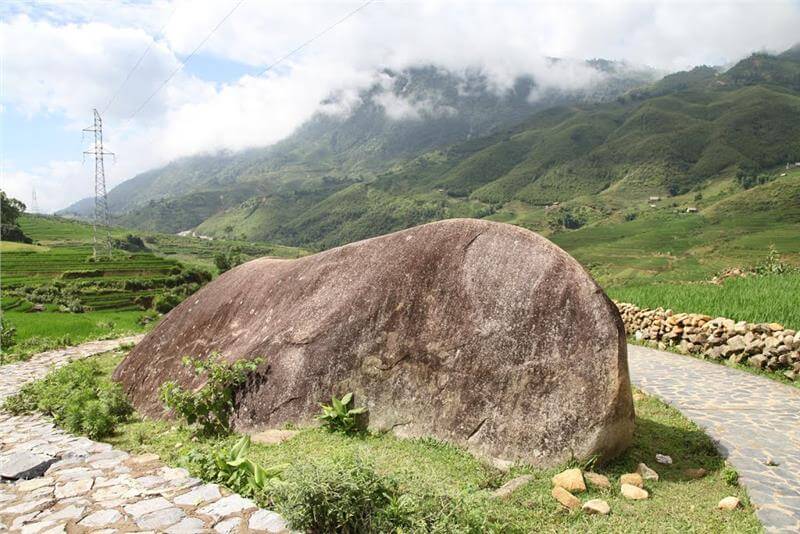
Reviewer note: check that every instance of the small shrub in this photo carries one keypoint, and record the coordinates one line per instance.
(345, 496)
(210, 406)
(730, 476)
(8, 335)
(166, 301)
(147, 317)
(224, 261)
(78, 396)
(338, 417)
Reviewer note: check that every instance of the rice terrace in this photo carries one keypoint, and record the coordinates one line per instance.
(400, 267)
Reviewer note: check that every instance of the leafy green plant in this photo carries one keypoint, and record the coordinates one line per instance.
(234, 470)
(210, 406)
(730, 476)
(339, 417)
(79, 396)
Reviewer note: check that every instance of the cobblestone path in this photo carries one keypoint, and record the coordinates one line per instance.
(91, 487)
(755, 422)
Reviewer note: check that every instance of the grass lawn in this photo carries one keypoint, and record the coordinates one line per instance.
(430, 469)
(47, 330)
(758, 299)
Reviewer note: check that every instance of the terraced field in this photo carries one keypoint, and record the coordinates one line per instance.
(54, 292)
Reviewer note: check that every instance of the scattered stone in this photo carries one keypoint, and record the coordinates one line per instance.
(633, 492)
(571, 480)
(695, 473)
(646, 472)
(664, 459)
(267, 521)
(597, 480)
(771, 462)
(728, 503)
(504, 491)
(596, 506)
(101, 518)
(632, 479)
(566, 499)
(24, 465)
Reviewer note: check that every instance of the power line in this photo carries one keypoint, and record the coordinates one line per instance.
(182, 63)
(139, 61)
(320, 34)
(265, 70)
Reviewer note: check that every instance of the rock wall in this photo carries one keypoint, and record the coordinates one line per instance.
(767, 346)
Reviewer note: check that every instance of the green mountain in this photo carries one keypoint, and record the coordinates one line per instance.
(567, 162)
(334, 150)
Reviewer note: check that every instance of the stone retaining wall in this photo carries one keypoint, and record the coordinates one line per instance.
(767, 346)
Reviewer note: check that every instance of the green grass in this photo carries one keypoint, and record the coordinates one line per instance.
(758, 299)
(428, 468)
(38, 332)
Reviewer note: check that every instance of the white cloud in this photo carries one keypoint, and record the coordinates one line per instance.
(65, 58)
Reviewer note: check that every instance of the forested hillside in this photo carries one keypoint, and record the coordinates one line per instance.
(568, 166)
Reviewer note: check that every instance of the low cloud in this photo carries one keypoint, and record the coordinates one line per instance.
(64, 59)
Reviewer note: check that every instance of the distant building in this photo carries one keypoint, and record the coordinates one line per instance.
(654, 199)
(691, 210)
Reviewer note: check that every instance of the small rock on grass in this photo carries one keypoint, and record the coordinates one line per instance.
(728, 503)
(504, 491)
(566, 499)
(597, 480)
(646, 472)
(632, 479)
(571, 480)
(695, 473)
(664, 459)
(632, 492)
(596, 506)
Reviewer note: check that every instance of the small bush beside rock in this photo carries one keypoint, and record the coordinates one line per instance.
(79, 396)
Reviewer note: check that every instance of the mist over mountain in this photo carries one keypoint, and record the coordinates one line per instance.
(426, 143)
(398, 115)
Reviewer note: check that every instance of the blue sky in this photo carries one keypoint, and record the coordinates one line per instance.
(61, 59)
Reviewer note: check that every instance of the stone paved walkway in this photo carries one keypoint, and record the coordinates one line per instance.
(755, 422)
(92, 487)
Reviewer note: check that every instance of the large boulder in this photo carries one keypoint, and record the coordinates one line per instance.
(479, 333)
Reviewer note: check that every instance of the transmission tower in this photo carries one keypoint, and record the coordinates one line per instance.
(34, 202)
(100, 196)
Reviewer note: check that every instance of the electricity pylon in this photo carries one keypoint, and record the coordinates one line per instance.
(100, 196)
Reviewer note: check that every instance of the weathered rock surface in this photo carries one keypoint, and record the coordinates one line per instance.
(479, 333)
